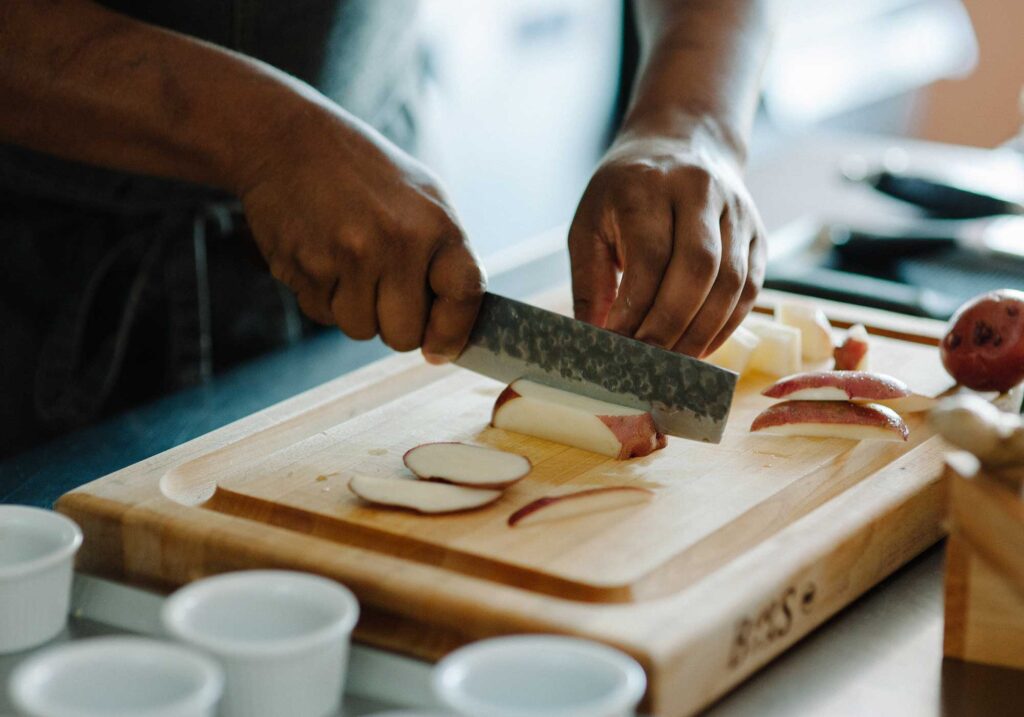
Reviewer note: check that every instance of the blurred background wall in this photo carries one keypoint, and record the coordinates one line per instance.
(982, 108)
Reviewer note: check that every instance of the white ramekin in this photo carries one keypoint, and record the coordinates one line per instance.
(37, 550)
(117, 677)
(282, 638)
(539, 676)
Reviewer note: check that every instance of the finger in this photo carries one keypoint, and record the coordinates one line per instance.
(725, 293)
(354, 303)
(458, 283)
(592, 262)
(645, 241)
(316, 307)
(689, 277)
(403, 299)
(314, 301)
(748, 296)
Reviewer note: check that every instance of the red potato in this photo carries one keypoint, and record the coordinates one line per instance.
(831, 419)
(563, 417)
(838, 386)
(984, 345)
(466, 465)
(852, 354)
(420, 496)
(584, 502)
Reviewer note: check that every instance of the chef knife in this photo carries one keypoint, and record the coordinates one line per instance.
(941, 198)
(513, 340)
(1001, 238)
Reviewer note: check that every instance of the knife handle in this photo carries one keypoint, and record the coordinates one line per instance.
(858, 289)
(940, 199)
(876, 247)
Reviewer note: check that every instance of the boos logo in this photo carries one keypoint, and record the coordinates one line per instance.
(773, 622)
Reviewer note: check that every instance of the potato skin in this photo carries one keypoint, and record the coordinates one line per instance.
(983, 348)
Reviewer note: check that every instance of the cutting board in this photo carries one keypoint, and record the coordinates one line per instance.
(745, 547)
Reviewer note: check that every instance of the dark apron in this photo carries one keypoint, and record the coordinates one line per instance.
(115, 288)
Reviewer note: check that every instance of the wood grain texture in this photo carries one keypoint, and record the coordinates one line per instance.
(746, 547)
(989, 514)
(984, 582)
(984, 609)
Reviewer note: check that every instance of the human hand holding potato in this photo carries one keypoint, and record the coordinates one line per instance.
(674, 216)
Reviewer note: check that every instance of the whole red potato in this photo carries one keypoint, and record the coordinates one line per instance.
(984, 345)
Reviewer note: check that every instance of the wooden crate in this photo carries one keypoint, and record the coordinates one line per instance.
(984, 585)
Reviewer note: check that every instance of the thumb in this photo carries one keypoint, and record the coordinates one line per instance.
(593, 274)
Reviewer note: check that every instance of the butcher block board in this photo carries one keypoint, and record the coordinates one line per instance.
(984, 585)
(744, 548)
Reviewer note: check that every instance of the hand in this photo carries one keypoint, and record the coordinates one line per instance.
(364, 236)
(674, 217)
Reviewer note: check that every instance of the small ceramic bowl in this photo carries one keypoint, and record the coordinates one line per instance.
(282, 638)
(37, 550)
(539, 676)
(117, 677)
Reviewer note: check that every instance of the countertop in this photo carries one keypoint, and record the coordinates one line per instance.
(880, 656)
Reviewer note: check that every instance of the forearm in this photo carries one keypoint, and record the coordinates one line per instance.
(700, 70)
(87, 84)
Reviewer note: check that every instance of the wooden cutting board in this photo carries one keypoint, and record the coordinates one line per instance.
(745, 547)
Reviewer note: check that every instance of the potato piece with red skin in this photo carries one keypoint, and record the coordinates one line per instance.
(984, 344)
(832, 419)
(420, 496)
(574, 420)
(466, 465)
(583, 502)
(838, 386)
(852, 354)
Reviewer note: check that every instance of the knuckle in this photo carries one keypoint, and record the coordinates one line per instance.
(649, 174)
(696, 181)
(634, 185)
(732, 279)
(312, 262)
(702, 259)
(751, 288)
(632, 196)
(468, 283)
(356, 247)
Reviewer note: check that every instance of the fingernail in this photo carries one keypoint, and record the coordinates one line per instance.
(436, 359)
